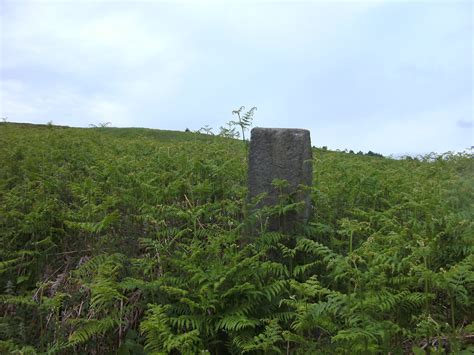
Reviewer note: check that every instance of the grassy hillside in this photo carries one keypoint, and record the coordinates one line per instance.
(129, 241)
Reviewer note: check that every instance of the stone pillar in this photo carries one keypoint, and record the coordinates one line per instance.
(280, 153)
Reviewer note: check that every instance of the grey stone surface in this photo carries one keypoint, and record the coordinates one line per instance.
(281, 153)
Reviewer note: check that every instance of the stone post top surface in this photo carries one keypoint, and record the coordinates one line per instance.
(277, 130)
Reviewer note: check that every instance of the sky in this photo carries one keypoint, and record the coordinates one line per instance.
(393, 76)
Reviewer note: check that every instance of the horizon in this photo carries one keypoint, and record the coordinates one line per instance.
(216, 134)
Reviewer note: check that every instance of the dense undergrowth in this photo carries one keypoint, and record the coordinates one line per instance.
(129, 241)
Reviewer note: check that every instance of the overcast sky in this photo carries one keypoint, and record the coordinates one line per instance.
(388, 76)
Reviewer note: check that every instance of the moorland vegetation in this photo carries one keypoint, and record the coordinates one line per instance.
(129, 241)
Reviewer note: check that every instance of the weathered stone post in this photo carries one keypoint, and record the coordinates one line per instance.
(280, 153)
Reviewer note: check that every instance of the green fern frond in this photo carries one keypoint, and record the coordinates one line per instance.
(90, 328)
(236, 322)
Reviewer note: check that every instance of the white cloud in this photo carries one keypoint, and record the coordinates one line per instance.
(435, 130)
(12, 101)
(85, 56)
(102, 111)
(79, 37)
(62, 107)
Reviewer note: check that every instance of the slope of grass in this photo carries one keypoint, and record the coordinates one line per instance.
(129, 240)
